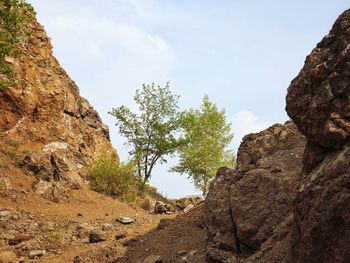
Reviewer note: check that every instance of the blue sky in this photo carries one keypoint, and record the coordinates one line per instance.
(242, 53)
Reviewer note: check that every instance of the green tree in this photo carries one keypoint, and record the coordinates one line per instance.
(206, 135)
(151, 133)
(14, 14)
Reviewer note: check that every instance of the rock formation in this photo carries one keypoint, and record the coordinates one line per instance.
(283, 205)
(318, 98)
(56, 132)
(318, 102)
(248, 211)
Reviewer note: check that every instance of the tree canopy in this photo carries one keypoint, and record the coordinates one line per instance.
(151, 134)
(206, 135)
(13, 16)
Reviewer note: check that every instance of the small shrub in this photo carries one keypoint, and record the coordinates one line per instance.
(117, 180)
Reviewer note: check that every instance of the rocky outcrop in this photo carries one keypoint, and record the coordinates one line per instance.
(318, 98)
(321, 227)
(248, 211)
(58, 131)
(318, 102)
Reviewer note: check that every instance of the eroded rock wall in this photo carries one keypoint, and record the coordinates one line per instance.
(318, 102)
(248, 211)
(60, 132)
(284, 204)
(318, 98)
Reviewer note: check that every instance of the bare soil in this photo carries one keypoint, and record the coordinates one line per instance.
(173, 240)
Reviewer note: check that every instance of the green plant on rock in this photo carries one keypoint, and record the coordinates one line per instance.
(109, 177)
(13, 16)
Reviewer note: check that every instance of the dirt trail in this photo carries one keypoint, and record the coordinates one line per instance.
(175, 240)
(53, 226)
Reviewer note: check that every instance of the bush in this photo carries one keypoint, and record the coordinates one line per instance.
(117, 180)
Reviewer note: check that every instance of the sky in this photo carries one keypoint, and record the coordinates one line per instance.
(242, 53)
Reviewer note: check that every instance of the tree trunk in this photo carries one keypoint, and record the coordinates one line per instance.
(205, 185)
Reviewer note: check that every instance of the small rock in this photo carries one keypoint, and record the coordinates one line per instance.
(30, 245)
(36, 253)
(161, 208)
(19, 239)
(188, 208)
(125, 220)
(106, 227)
(147, 205)
(83, 231)
(5, 185)
(4, 213)
(95, 237)
(218, 255)
(79, 214)
(194, 200)
(184, 260)
(153, 259)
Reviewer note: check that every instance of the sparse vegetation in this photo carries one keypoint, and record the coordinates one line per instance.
(111, 178)
(151, 134)
(13, 15)
(199, 136)
(206, 135)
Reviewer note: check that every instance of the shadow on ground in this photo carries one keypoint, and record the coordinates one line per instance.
(182, 239)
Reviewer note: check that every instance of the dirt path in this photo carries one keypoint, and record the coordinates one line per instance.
(53, 226)
(175, 240)
(61, 229)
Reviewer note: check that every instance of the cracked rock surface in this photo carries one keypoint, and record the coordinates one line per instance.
(249, 211)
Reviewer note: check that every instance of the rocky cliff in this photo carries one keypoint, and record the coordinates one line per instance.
(47, 129)
(249, 211)
(318, 102)
(284, 203)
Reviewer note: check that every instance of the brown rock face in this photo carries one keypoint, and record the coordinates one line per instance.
(58, 130)
(321, 228)
(318, 98)
(248, 211)
(318, 102)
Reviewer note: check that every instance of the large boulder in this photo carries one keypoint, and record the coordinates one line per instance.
(318, 98)
(248, 211)
(318, 102)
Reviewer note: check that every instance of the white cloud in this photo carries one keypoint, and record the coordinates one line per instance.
(245, 122)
